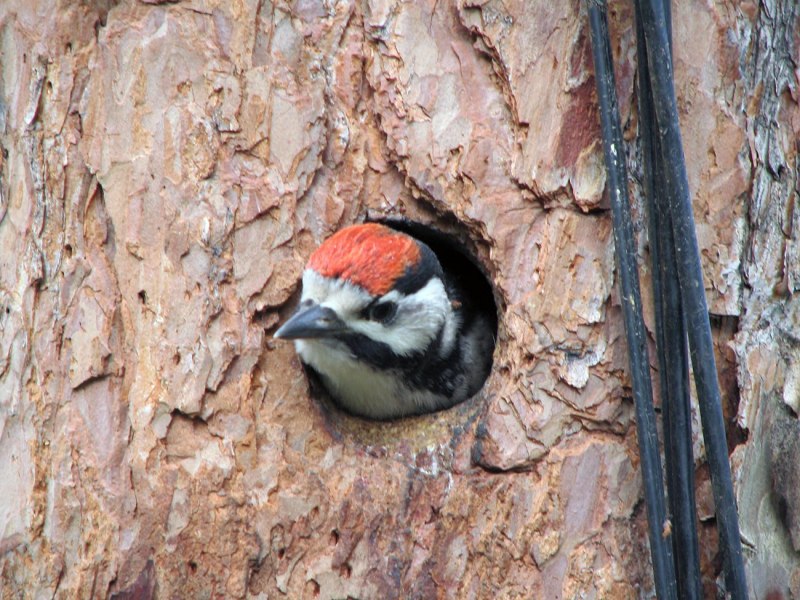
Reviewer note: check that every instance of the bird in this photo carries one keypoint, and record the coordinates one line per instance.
(388, 331)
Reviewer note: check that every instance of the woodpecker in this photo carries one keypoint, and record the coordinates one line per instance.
(389, 332)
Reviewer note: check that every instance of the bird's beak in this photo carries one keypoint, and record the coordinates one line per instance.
(311, 322)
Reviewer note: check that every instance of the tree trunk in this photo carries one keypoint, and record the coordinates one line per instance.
(166, 170)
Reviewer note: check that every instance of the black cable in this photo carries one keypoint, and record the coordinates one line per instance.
(673, 360)
(660, 549)
(695, 309)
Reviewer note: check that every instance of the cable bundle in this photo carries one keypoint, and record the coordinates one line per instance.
(681, 312)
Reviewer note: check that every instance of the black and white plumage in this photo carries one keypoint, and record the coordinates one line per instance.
(389, 332)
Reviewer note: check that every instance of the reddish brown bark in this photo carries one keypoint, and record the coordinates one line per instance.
(166, 170)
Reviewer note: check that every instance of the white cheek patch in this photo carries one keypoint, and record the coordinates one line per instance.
(419, 318)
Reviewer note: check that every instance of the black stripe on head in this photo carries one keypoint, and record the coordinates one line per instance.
(381, 356)
(417, 275)
(376, 354)
(424, 370)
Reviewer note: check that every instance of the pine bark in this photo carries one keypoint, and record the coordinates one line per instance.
(166, 170)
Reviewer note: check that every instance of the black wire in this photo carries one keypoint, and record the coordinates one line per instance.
(661, 551)
(673, 360)
(695, 309)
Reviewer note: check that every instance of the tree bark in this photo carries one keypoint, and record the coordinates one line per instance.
(166, 170)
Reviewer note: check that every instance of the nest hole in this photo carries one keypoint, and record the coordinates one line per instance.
(452, 251)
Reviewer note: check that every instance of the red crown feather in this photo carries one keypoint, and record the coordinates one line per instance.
(371, 255)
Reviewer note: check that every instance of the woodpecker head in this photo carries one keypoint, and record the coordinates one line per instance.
(377, 321)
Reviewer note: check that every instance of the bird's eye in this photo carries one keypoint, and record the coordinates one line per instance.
(382, 312)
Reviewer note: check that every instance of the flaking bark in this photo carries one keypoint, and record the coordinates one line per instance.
(166, 170)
